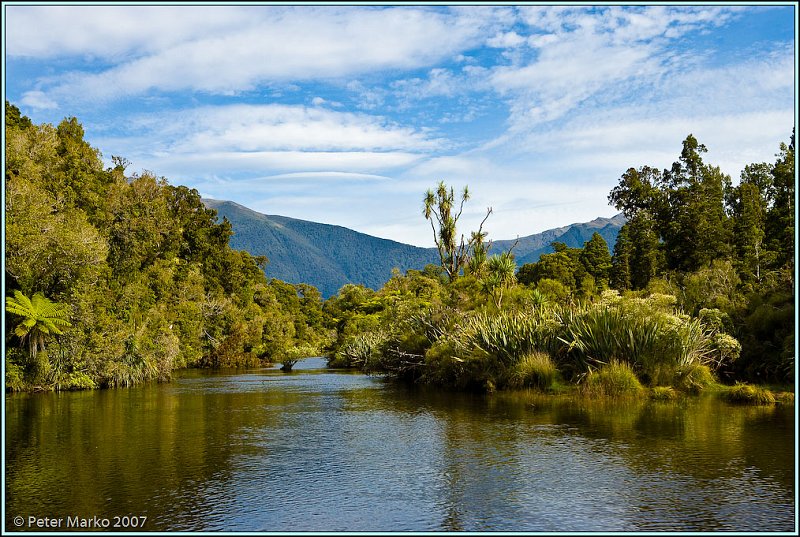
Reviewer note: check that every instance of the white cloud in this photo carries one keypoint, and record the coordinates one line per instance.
(38, 100)
(245, 48)
(579, 55)
(589, 92)
(271, 143)
(506, 40)
(248, 128)
(110, 32)
(329, 175)
(230, 163)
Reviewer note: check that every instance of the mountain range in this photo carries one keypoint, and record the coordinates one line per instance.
(328, 256)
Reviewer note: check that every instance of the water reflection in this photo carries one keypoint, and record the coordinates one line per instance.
(321, 450)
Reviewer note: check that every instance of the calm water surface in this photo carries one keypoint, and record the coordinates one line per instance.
(326, 450)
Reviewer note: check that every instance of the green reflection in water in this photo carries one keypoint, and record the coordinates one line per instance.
(316, 450)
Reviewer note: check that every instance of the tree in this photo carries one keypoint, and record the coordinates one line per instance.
(596, 259)
(780, 218)
(454, 254)
(499, 275)
(693, 225)
(748, 231)
(41, 318)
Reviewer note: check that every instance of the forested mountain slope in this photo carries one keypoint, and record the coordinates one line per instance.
(328, 256)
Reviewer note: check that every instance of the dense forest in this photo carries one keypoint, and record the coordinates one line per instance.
(114, 279)
(700, 290)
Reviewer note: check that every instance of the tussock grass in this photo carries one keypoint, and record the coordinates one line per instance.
(535, 370)
(747, 394)
(361, 351)
(615, 379)
(656, 344)
(663, 393)
(694, 378)
(508, 336)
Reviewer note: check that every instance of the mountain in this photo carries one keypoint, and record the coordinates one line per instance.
(323, 255)
(529, 248)
(328, 256)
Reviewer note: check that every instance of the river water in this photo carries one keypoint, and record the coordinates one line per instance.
(326, 450)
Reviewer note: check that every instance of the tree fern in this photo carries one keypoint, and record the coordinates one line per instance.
(41, 318)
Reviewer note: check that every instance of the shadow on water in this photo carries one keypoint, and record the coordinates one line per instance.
(329, 450)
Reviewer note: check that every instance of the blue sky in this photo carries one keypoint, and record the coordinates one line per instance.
(347, 114)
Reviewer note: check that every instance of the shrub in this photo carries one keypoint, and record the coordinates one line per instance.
(77, 380)
(508, 336)
(442, 366)
(614, 379)
(534, 369)
(361, 350)
(694, 378)
(663, 393)
(14, 377)
(747, 394)
(639, 331)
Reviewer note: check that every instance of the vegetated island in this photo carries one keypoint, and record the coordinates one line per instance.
(115, 279)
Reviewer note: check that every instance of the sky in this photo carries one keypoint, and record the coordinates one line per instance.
(346, 115)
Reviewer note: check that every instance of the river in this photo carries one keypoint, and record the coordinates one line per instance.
(326, 450)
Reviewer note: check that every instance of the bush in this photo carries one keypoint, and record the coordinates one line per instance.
(640, 331)
(535, 369)
(77, 380)
(663, 393)
(747, 394)
(362, 350)
(614, 380)
(14, 377)
(694, 378)
(442, 366)
(508, 336)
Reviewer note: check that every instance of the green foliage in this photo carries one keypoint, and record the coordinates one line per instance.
(747, 394)
(615, 379)
(663, 393)
(694, 378)
(498, 276)
(640, 332)
(363, 351)
(767, 337)
(535, 370)
(596, 260)
(440, 211)
(139, 275)
(691, 233)
(14, 376)
(294, 354)
(508, 336)
(40, 319)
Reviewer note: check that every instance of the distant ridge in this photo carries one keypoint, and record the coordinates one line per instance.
(328, 256)
(324, 255)
(531, 247)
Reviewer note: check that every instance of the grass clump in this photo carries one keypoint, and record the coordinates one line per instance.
(747, 394)
(784, 398)
(694, 378)
(663, 393)
(614, 379)
(534, 370)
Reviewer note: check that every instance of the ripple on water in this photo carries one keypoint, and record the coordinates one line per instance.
(317, 450)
